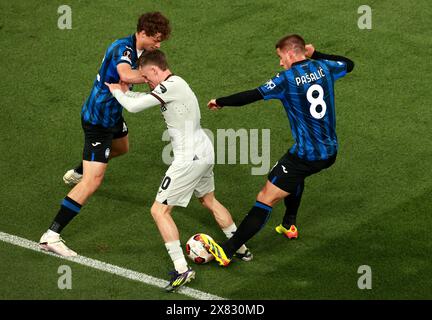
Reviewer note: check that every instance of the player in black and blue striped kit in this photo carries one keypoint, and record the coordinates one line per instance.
(306, 90)
(105, 132)
(101, 114)
(101, 108)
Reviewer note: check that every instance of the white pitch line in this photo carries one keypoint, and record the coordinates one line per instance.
(110, 268)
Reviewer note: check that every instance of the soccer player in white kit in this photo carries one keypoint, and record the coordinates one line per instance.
(191, 172)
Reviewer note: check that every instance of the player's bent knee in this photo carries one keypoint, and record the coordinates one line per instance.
(261, 195)
(266, 197)
(159, 210)
(154, 211)
(271, 195)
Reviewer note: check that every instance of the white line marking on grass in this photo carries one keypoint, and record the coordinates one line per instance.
(110, 268)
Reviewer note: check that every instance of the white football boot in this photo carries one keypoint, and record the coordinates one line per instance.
(71, 177)
(51, 241)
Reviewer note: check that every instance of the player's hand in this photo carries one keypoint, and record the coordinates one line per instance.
(125, 86)
(113, 86)
(212, 105)
(310, 49)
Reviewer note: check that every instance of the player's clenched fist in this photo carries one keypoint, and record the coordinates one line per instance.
(212, 105)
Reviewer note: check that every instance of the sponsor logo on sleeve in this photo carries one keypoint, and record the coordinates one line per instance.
(160, 89)
(270, 85)
(127, 56)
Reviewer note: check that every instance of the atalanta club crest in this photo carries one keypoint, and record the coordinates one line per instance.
(127, 56)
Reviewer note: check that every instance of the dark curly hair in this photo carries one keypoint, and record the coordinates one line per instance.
(153, 23)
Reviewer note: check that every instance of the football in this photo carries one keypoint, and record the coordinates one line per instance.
(196, 250)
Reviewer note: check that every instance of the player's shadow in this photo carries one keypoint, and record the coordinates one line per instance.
(140, 201)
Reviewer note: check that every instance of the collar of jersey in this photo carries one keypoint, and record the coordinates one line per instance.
(134, 42)
(170, 75)
(299, 62)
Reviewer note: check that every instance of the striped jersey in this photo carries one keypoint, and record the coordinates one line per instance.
(306, 91)
(101, 108)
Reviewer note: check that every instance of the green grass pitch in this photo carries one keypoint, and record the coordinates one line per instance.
(373, 207)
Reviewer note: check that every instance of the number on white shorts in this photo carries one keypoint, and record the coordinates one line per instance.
(165, 183)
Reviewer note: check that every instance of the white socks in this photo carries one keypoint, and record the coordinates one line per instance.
(176, 253)
(229, 232)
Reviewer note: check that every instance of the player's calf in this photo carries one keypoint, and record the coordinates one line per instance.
(225, 221)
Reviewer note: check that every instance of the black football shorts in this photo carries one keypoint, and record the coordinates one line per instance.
(290, 171)
(98, 140)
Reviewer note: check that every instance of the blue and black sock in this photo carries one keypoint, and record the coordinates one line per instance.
(68, 210)
(250, 226)
(292, 204)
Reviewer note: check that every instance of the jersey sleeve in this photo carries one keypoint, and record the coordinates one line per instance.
(166, 91)
(338, 69)
(274, 88)
(135, 101)
(122, 54)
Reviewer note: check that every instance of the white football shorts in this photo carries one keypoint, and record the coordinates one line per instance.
(183, 179)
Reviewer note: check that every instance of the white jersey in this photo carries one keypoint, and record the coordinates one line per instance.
(180, 109)
(192, 169)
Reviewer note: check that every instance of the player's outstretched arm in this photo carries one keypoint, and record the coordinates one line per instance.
(132, 103)
(236, 100)
(316, 55)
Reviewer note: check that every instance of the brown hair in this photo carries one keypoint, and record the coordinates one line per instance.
(292, 42)
(153, 23)
(155, 58)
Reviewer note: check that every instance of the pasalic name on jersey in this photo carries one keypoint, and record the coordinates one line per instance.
(310, 77)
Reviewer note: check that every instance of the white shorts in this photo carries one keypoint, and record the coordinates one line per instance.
(184, 179)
